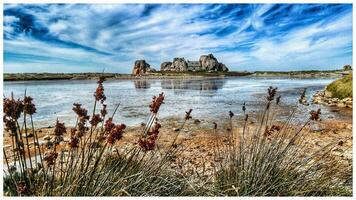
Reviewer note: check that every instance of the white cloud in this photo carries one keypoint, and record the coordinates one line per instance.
(127, 33)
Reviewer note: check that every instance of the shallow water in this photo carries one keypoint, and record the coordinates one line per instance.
(208, 97)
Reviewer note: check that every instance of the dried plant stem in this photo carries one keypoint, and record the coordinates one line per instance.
(27, 143)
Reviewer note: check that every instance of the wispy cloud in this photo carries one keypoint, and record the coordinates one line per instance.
(90, 37)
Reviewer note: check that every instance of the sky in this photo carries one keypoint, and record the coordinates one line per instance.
(110, 37)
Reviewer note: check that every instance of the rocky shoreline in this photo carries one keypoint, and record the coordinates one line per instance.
(324, 97)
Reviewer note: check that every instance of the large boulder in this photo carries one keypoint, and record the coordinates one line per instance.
(179, 64)
(206, 62)
(222, 67)
(141, 67)
(210, 63)
(165, 66)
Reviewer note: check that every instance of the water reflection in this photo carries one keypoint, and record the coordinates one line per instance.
(208, 97)
(142, 84)
(193, 84)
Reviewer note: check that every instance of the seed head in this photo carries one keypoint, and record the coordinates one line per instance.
(81, 112)
(10, 125)
(73, 141)
(99, 92)
(109, 125)
(50, 158)
(116, 134)
(315, 115)
(156, 103)
(12, 108)
(103, 111)
(271, 93)
(29, 107)
(231, 114)
(22, 188)
(59, 129)
(148, 143)
(188, 114)
(95, 120)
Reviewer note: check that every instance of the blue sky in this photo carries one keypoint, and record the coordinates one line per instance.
(93, 37)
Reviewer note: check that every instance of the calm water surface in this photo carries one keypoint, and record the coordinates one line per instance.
(209, 98)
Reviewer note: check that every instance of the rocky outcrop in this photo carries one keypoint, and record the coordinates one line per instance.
(166, 66)
(206, 63)
(178, 65)
(141, 67)
(324, 97)
(210, 63)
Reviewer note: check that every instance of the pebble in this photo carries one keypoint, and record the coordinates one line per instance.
(176, 129)
(29, 135)
(47, 137)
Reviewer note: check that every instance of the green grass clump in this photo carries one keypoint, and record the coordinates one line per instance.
(272, 160)
(341, 88)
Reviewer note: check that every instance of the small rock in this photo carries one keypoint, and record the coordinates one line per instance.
(143, 124)
(28, 135)
(316, 128)
(47, 137)
(176, 129)
(196, 121)
(341, 143)
(341, 105)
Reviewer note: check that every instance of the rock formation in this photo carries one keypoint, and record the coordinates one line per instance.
(165, 66)
(210, 63)
(141, 67)
(324, 97)
(178, 65)
(206, 63)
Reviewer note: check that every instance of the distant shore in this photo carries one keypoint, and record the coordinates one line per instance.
(166, 75)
